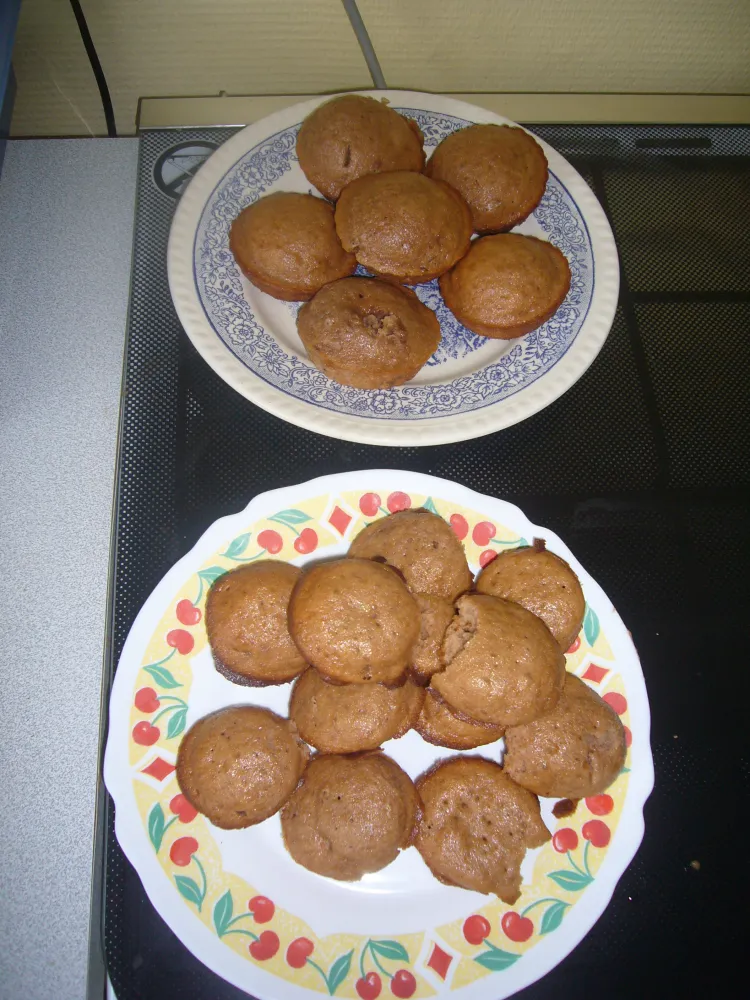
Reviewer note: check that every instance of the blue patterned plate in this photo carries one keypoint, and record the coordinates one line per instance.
(470, 386)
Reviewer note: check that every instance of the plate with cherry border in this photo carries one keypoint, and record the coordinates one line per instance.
(237, 900)
(472, 385)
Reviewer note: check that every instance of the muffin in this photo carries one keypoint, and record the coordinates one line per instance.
(347, 718)
(507, 285)
(246, 624)
(422, 546)
(435, 615)
(577, 750)
(350, 815)
(541, 582)
(286, 245)
(438, 725)
(351, 136)
(504, 667)
(368, 333)
(240, 765)
(476, 826)
(403, 226)
(355, 621)
(501, 172)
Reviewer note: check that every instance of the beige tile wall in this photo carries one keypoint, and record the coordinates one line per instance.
(202, 47)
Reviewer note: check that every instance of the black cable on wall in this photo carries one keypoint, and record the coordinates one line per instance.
(96, 66)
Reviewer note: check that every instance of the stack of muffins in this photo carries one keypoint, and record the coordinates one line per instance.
(405, 222)
(393, 637)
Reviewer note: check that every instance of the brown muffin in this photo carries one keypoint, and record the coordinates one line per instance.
(541, 582)
(348, 718)
(368, 333)
(240, 765)
(435, 615)
(507, 285)
(246, 624)
(350, 815)
(476, 826)
(422, 546)
(286, 244)
(355, 621)
(438, 725)
(504, 667)
(351, 136)
(403, 226)
(501, 172)
(577, 750)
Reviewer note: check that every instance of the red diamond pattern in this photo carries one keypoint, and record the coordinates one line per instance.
(440, 961)
(595, 674)
(339, 519)
(159, 769)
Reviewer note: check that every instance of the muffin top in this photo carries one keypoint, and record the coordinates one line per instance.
(507, 285)
(574, 751)
(402, 225)
(351, 136)
(500, 170)
(438, 725)
(348, 718)
(476, 826)
(350, 815)
(367, 333)
(246, 624)
(541, 582)
(435, 615)
(239, 765)
(355, 621)
(504, 667)
(287, 246)
(422, 546)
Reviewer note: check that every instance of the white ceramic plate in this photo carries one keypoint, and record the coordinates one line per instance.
(471, 386)
(238, 901)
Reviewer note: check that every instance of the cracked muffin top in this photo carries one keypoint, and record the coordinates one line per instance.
(368, 333)
(503, 666)
(351, 136)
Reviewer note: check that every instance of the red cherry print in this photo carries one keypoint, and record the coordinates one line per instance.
(596, 832)
(369, 504)
(146, 700)
(187, 613)
(628, 736)
(600, 805)
(145, 734)
(483, 531)
(616, 702)
(307, 541)
(298, 952)
(182, 641)
(460, 525)
(180, 806)
(271, 541)
(182, 851)
(261, 908)
(486, 557)
(575, 646)
(397, 501)
(516, 927)
(403, 984)
(476, 929)
(565, 840)
(369, 987)
(265, 947)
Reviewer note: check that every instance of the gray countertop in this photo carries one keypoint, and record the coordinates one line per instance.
(66, 216)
